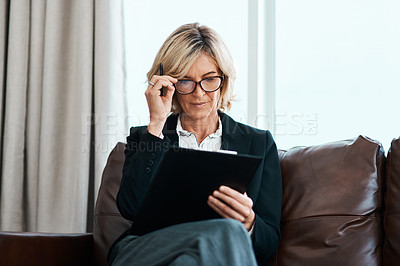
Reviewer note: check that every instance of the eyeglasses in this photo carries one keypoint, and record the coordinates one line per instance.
(186, 86)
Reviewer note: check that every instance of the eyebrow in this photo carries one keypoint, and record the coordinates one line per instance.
(211, 72)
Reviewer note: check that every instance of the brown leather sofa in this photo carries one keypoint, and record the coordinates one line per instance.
(341, 206)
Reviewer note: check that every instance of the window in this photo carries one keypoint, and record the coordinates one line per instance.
(337, 71)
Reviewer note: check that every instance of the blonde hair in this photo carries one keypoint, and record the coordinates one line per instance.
(181, 49)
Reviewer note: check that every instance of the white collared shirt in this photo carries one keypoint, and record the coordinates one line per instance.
(188, 140)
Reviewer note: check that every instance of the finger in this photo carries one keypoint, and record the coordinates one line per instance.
(242, 198)
(239, 207)
(155, 89)
(217, 210)
(225, 210)
(170, 92)
(155, 78)
(222, 213)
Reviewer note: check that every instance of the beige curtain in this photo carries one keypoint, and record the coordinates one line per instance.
(60, 84)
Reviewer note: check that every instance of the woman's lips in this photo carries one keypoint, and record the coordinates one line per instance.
(199, 105)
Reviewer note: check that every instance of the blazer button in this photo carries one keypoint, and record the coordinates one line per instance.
(153, 156)
(150, 163)
(147, 170)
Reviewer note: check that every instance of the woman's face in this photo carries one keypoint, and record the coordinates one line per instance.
(200, 104)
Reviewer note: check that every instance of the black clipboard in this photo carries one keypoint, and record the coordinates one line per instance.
(184, 179)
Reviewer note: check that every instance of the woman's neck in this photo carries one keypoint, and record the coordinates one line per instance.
(201, 128)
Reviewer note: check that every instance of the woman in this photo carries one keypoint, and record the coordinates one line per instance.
(198, 83)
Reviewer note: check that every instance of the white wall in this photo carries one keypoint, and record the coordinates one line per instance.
(337, 70)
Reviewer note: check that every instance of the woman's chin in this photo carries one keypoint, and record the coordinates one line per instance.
(200, 114)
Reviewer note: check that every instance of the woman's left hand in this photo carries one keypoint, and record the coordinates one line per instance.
(230, 203)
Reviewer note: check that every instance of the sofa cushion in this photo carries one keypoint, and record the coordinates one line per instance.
(391, 250)
(332, 198)
(108, 223)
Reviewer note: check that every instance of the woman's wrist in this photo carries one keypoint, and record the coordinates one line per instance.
(155, 128)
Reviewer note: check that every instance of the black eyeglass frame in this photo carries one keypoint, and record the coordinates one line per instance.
(199, 82)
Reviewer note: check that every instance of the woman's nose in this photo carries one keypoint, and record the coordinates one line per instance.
(198, 91)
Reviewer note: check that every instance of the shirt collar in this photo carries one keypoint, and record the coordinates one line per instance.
(181, 132)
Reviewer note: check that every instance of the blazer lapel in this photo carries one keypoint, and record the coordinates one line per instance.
(233, 137)
(170, 129)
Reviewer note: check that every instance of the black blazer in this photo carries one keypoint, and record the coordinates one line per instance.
(142, 156)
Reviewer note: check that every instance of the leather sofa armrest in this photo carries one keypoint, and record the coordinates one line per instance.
(18, 248)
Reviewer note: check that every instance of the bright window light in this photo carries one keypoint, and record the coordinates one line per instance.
(337, 71)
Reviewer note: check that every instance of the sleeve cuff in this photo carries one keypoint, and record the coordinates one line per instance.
(161, 136)
(251, 231)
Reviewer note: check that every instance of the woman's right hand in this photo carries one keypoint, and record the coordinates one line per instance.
(159, 106)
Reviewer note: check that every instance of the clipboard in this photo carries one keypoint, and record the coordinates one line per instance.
(183, 181)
